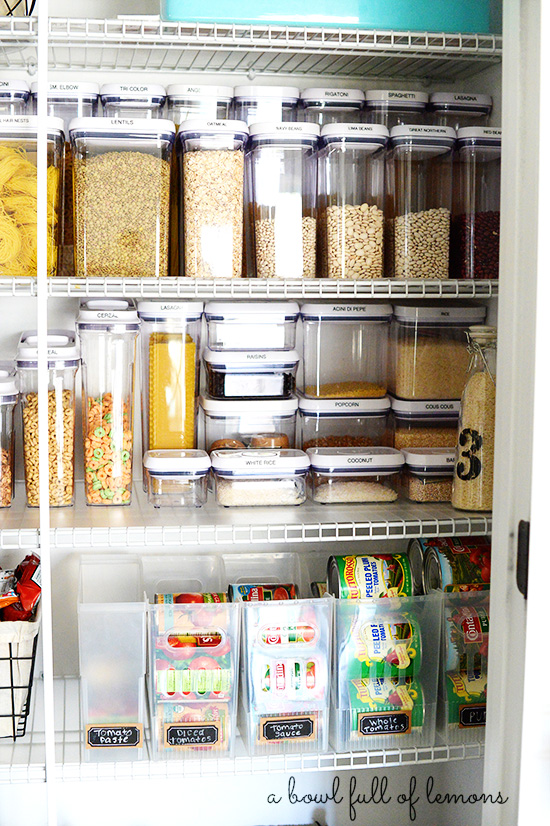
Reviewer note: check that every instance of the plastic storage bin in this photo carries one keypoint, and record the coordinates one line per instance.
(428, 474)
(107, 329)
(343, 475)
(354, 335)
(267, 325)
(63, 362)
(9, 395)
(262, 104)
(395, 108)
(255, 374)
(123, 100)
(176, 477)
(14, 97)
(187, 101)
(343, 422)
(420, 424)
(283, 173)
(240, 424)
(121, 180)
(475, 227)
(460, 109)
(211, 183)
(351, 200)
(259, 477)
(323, 106)
(429, 355)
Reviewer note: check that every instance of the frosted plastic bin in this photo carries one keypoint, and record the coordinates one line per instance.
(14, 97)
(186, 101)
(256, 374)
(265, 325)
(395, 108)
(460, 109)
(322, 105)
(240, 424)
(9, 396)
(176, 477)
(343, 422)
(428, 474)
(132, 100)
(248, 478)
(260, 104)
(343, 475)
(419, 424)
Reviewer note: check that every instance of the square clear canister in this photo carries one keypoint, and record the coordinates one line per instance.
(257, 424)
(132, 100)
(343, 422)
(323, 106)
(14, 97)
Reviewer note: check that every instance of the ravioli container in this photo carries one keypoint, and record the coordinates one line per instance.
(9, 395)
(424, 424)
(428, 474)
(132, 100)
(187, 100)
(249, 478)
(322, 106)
(255, 104)
(14, 97)
(395, 108)
(267, 325)
(255, 374)
(240, 424)
(344, 475)
(343, 422)
(460, 109)
(176, 477)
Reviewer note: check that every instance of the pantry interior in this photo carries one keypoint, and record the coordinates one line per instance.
(123, 51)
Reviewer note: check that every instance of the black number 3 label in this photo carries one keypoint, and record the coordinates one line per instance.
(471, 468)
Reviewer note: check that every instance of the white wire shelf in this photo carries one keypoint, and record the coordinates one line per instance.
(18, 43)
(23, 761)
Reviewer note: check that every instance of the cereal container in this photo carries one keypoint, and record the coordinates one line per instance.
(424, 424)
(186, 101)
(460, 109)
(323, 106)
(257, 424)
(107, 330)
(211, 185)
(475, 226)
(418, 203)
(14, 96)
(345, 350)
(63, 362)
(351, 200)
(123, 100)
(176, 477)
(395, 108)
(265, 325)
(121, 182)
(258, 104)
(343, 475)
(8, 400)
(428, 474)
(343, 422)
(259, 477)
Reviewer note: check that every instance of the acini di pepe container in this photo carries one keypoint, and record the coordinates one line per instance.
(360, 474)
(259, 477)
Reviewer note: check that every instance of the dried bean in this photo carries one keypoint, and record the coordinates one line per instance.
(354, 241)
(419, 242)
(269, 243)
(426, 490)
(61, 418)
(475, 241)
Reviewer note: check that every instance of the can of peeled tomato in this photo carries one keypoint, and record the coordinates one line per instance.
(318, 589)
(376, 575)
(466, 637)
(262, 593)
(182, 599)
(466, 700)
(456, 563)
(384, 648)
(386, 706)
(288, 634)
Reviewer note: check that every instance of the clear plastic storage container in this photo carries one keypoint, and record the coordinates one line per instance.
(254, 374)
(475, 227)
(418, 203)
(256, 424)
(460, 109)
(344, 475)
(267, 325)
(9, 395)
(345, 350)
(14, 97)
(259, 477)
(176, 477)
(211, 185)
(107, 329)
(259, 104)
(394, 108)
(343, 422)
(429, 355)
(121, 179)
(187, 101)
(132, 100)
(420, 424)
(428, 474)
(282, 163)
(322, 106)
(351, 200)
(63, 362)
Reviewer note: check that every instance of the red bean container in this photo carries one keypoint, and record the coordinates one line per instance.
(475, 230)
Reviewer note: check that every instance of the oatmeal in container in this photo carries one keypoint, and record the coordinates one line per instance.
(259, 477)
(354, 474)
(428, 474)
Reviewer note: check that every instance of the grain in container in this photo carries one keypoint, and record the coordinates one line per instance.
(460, 109)
(176, 477)
(423, 424)
(259, 477)
(282, 163)
(14, 97)
(255, 374)
(258, 104)
(343, 422)
(185, 101)
(63, 362)
(395, 108)
(211, 184)
(121, 184)
(428, 474)
(18, 197)
(354, 474)
(351, 200)
(132, 100)
(323, 106)
(429, 355)
(475, 225)
(9, 396)
(107, 329)
(240, 424)
(345, 348)
(418, 202)
(266, 325)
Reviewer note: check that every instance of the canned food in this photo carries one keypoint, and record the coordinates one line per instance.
(466, 699)
(175, 599)
(466, 638)
(262, 593)
(289, 677)
(318, 589)
(386, 706)
(385, 648)
(376, 575)
(288, 635)
(456, 563)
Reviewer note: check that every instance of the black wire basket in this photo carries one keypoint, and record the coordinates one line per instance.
(23, 8)
(17, 670)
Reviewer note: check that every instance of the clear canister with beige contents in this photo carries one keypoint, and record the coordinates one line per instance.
(63, 363)
(210, 158)
(9, 395)
(344, 475)
(351, 200)
(424, 424)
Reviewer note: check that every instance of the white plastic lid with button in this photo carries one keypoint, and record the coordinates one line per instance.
(439, 314)
(374, 133)
(430, 461)
(201, 126)
(14, 89)
(28, 125)
(270, 311)
(334, 97)
(291, 93)
(220, 408)
(438, 136)
(343, 407)
(253, 360)
(161, 310)
(73, 90)
(291, 132)
(376, 460)
(182, 91)
(287, 462)
(176, 462)
(62, 350)
(461, 102)
(122, 127)
(346, 312)
(395, 99)
(479, 136)
(425, 409)
(137, 93)
(99, 313)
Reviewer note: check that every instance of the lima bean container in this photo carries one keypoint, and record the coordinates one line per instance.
(9, 395)
(132, 100)
(460, 109)
(186, 101)
(260, 104)
(351, 201)
(395, 108)
(323, 106)
(14, 97)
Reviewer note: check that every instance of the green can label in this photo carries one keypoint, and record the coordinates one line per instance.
(378, 575)
(385, 649)
(466, 699)
(457, 564)
(386, 706)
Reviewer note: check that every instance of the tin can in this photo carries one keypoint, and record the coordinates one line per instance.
(466, 700)
(456, 564)
(289, 677)
(288, 635)
(262, 593)
(386, 706)
(466, 638)
(376, 575)
(179, 599)
(318, 589)
(384, 648)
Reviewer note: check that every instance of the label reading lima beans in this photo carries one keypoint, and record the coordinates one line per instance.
(290, 728)
(114, 736)
(386, 722)
(187, 735)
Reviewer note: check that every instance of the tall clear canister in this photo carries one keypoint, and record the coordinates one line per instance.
(323, 106)
(9, 395)
(395, 108)
(187, 100)
(259, 104)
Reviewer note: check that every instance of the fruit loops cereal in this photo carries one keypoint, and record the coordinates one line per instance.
(107, 452)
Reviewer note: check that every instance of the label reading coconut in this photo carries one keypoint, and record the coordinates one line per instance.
(190, 735)
(114, 736)
(278, 729)
(387, 722)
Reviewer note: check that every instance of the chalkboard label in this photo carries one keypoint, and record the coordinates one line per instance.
(472, 716)
(114, 737)
(386, 722)
(189, 735)
(286, 728)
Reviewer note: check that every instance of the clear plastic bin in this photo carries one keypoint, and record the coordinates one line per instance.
(341, 475)
(9, 395)
(395, 108)
(282, 162)
(418, 213)
(267, 325)
(322, 106)
(256, 374)
(343, 422)
(63, 362)
(187, 101)
(420, 424)
(354, 335)
(351, 200)
(14, 97)
(232, 424)
(460, 109)
(429, 356)
(259, 104)
(249, 478)
(428, 474)
(176, 477)
(121, 179)
(135, 100)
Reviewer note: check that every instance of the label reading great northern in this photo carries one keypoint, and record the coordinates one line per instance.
(377, 575)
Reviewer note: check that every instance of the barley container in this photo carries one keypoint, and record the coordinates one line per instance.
(176, 478)
(249, 478)
(354, 474)
(132, 100)
(211, 185)
(460, 109)
(63, 362)
(250, 325)
(259, 104)
(257, 424)
(424, 424)
(475, 227)
(323, 106)
(121, 184)
(254, 374)
(186, 101)
(429, 353)
(9, 395)
(283, 174)
(394, 108)
(428, 474)
(345, 349)
(351, 200)
(14, 97)
(343, 422)
(107, 329)
(418, 203)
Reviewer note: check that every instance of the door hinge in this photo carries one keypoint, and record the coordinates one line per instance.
(522, 567)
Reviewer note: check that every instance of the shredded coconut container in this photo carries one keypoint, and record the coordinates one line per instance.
(347, 475)
(259, 477)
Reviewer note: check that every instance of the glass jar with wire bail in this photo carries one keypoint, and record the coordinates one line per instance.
(474, 467)
(351, 200)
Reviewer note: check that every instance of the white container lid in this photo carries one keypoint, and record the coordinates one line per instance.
(132, 91)
(184, 462)
(368, 132)
(9, 389)
(375, 460)
(344, 407)
(28, 125)
(284, 131)
(252, 92)
(193, 92)
(154, 127)
(347, 312)
(461, 101)
(483, 134)
(202, 126)
(220, 408)
(394, 99)
(245, 312)
(160, 310)
(329, 95)
(439, 314)
(252, 360)
(264, 462)
(423, 135)
(15, 86)
(69, 89)
(103, 312)
(431, 460)
(62, 349)
(425, 409)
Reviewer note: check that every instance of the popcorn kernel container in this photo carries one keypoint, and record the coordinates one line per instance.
(8, 400)
(107, 330)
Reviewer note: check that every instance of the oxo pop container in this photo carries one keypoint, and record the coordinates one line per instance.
(255, 374)
(63, 362)
(187, 101)
(475, 227)
(9, 395)
(259, 104)
(107, 329)
(259, 477)
(343, 422)
(14, 96)
(460, 109)
(257, 424)
(135, 100)
(424, 424)
(428, 474)
(323, 106)
(176, 477)
(267, 325)
(354, 474)
(345, 350)
(121, 182)
(395, 108)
